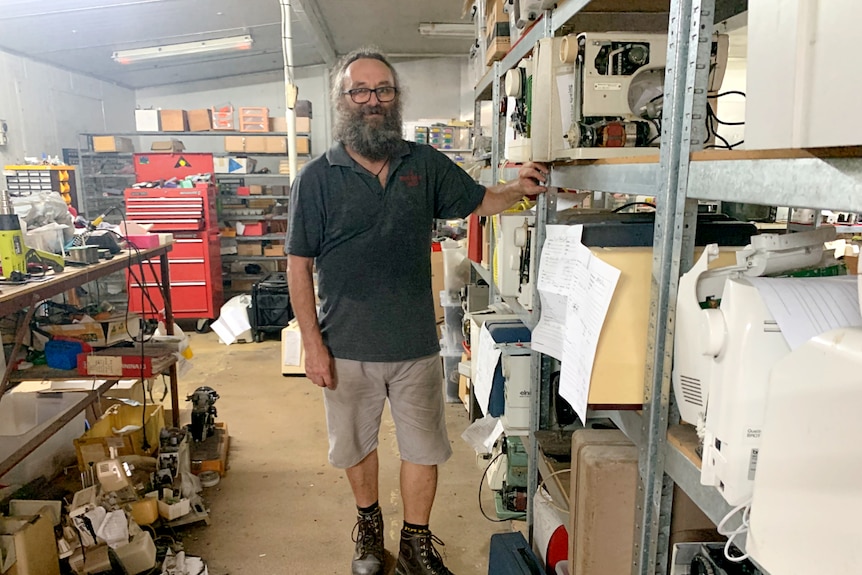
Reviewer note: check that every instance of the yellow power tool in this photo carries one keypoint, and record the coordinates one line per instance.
(16, 258)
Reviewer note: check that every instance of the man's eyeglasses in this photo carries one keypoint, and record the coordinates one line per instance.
(363, 95)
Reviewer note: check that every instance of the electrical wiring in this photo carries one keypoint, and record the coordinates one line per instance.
(482, 483)
(712, 119)
(545, 479)
(745, 507)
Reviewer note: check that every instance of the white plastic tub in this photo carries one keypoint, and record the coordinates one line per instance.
(25, 414)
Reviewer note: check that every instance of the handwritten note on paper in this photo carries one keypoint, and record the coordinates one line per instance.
(806, 307)
(555, 276)
(593, 287)
(486, 358)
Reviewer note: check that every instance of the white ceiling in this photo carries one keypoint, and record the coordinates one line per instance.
(82, 35)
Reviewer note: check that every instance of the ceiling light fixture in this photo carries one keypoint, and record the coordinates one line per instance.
(185, 49)
(447, 30)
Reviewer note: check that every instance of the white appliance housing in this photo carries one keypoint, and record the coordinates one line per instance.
(605, 93)
(512, 233)
(808, 490)
(802, 83)
(746, 343)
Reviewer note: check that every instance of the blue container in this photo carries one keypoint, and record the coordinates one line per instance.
(63, 354)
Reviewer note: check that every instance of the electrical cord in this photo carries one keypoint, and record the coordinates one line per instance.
(482, 483)
(630, 204)
(731, 535)
(712, 119)
(545, 479)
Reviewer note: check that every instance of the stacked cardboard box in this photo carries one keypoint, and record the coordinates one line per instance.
(497, 41)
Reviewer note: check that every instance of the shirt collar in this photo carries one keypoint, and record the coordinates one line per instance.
(337, 155)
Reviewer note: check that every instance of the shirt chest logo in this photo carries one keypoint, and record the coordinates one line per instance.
(411, 179)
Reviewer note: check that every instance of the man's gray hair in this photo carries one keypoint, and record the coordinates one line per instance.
(369, 52)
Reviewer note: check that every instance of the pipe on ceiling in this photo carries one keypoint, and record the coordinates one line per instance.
(290, 89)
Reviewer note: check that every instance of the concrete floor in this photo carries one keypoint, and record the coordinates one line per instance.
(282, 509)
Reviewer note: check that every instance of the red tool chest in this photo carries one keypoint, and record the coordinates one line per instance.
(195, 260)
(155, 166)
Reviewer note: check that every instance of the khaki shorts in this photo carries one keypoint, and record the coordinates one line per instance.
(415, 393)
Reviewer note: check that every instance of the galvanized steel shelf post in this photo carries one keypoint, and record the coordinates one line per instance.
(689, 39)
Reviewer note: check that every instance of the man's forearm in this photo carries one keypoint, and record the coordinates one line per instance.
(531, 179)
(499, 198)
(300, 280)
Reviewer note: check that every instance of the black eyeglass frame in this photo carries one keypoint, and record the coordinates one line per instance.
(368, 91)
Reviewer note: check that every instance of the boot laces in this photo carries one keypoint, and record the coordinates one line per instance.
(365, 531)
(430, 556)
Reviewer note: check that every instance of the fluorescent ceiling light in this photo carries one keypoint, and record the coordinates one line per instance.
(185, 49)
(443, 29)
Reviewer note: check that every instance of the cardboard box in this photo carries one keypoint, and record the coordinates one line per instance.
(167, 146)
(276, 145)
(303, 109)
(200, 120)
(255, 189)
(126, 361)
(98, 333)
(147, 121)
(95, 444)
(241, 285)
(494, 11)
(496, 49)
(234, 143)
(437, 284)
(249, 249)
(256, 144)
(303, 125)
(303, 145)
(274, 251)
(233, 165)
(278, 124)
(29, 540)
(174, 120)
(260, 203)
(112, 144)
(292, 352)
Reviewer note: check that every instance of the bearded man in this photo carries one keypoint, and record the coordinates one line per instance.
(363, 214)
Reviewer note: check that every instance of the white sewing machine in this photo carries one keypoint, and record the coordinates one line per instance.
(602, 93)
(808, 490)
(725, 346)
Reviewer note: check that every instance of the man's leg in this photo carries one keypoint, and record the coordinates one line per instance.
(363, 481)
(416, 402)
(353, 413)
(418, 487)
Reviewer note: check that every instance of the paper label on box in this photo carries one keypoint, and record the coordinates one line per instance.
(105, 365)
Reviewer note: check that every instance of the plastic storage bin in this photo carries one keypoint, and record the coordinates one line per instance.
(25, 414)
(451, 376)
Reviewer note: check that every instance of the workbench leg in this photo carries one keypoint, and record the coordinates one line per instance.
(169, 329)
(19, 338)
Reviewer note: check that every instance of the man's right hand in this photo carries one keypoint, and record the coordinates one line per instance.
(319, 367)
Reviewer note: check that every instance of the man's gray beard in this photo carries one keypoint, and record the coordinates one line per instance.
(369, 141)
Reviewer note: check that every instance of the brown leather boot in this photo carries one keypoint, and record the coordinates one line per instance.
(368, 536)
(417, 555)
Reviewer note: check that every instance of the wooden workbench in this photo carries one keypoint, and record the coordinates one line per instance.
(27, 296)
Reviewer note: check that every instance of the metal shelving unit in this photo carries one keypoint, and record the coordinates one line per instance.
(678, 176)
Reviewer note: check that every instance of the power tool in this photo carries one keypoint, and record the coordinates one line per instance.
(15, 257)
